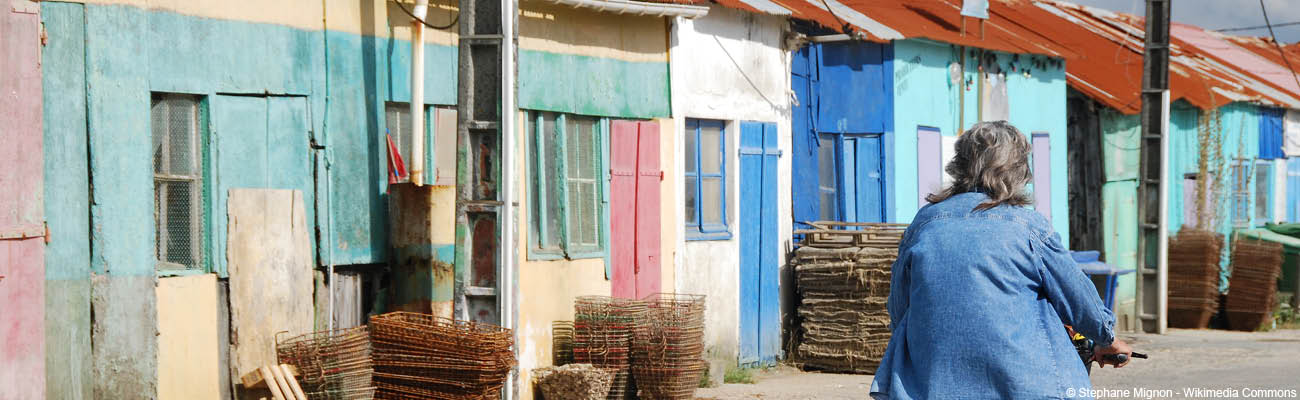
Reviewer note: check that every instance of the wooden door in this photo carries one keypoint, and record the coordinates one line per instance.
(634, 208)
(22, 215)
(760, 317)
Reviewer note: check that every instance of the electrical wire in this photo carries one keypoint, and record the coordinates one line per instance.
(1277, 45)
(1247, 28)
(843, 25)
(454, 19)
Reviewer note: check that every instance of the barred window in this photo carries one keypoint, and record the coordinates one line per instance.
(178, 181)
(566, 168)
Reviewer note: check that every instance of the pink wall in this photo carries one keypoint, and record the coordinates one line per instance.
(22, 247)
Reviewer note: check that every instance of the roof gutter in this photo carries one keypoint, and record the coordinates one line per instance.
(637, 7)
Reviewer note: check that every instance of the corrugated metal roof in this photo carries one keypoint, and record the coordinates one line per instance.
(1109, 68)
(1215, 46)
(1104, 48)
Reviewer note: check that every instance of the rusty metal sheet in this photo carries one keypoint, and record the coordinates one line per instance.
(1109, 66)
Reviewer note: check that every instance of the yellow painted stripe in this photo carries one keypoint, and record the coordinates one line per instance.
(543, 26)
(560, 29)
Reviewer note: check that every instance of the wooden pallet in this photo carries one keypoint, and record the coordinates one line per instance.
(834, 234)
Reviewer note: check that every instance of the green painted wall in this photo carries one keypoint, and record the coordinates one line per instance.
(67, 201)
(1240, 138)
(101, 65)
(592, 86)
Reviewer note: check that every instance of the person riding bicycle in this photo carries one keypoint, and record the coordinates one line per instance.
(982, 285)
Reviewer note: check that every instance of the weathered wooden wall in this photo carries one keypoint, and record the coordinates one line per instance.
(22, 248)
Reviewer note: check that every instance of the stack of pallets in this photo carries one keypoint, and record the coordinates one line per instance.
(420, 356)
(335, 365)
(1253, 285)
(1193, 278)
(668, 347)
(842, 272)
(602, 336)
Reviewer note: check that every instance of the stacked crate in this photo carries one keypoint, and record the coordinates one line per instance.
(334, 365)
(602, 336)
(420, 356)
(1193, 278)
(668, 347)
(1251, 290)
(842, 272)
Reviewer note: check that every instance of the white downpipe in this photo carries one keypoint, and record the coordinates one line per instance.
(1162, 238)
(506, 283)
(417, 92)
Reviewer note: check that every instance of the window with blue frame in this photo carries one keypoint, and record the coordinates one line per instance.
(567, 202)
(705, 183)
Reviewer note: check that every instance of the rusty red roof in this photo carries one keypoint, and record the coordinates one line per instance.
(1110, 65)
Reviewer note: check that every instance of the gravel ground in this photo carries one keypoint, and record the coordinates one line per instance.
(1225, 361)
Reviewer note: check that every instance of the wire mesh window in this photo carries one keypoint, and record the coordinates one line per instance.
(566, 173)
(705, 182)
(178, 181)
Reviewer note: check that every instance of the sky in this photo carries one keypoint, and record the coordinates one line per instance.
(1219, 14)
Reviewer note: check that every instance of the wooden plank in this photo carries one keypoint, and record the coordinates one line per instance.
(289, 372)
(268, 377)
(277, 375)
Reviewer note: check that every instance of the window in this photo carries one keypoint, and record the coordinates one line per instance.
(178, 182)
(826, 183)
(397, 120)
(705, 183)
(1263, 192)
(567, 176)
(1240, 194)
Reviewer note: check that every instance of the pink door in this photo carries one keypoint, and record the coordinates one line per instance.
(22, 216)
(634, 208)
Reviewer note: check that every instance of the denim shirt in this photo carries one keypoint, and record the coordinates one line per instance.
(976, 306)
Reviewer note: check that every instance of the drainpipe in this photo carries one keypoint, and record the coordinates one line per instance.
(506, 279)
(417, 92)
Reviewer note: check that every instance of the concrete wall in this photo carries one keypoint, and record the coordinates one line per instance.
(728, 65)
(925, 95)
(188, 348)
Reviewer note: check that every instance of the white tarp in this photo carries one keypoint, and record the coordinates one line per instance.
(1291, 133)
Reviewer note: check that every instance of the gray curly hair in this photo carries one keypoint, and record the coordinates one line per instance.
(992, 158)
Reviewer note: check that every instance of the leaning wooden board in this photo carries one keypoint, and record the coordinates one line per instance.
(270, 265)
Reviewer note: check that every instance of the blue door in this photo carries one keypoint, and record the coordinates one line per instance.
(760, 317)
(862, 193)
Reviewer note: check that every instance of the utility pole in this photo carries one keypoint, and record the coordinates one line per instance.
(1153, 184)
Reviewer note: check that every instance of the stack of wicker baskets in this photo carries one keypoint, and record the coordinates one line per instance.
(1193, 278)
(602, 336)
(334, 365)
(420, 356)
(668, 348)
(1255, 267)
